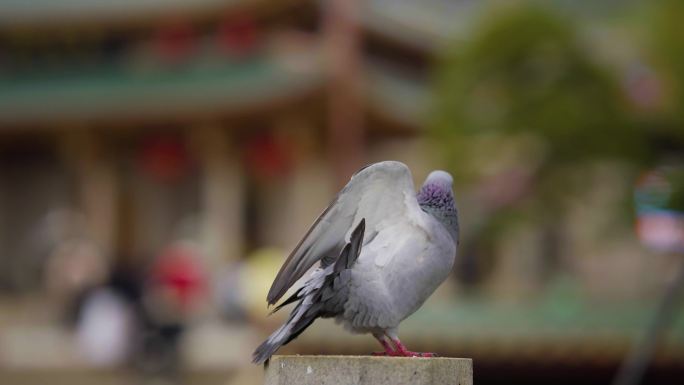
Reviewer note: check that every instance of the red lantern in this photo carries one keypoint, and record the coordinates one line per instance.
(175, 41)
(268, 157)
(165, 158)
(237, 36)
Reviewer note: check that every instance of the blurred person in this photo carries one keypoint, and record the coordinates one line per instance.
(255, 277)
(74, 266)
(105, 328)
(58, 232)
(108, 317)
(174, 288)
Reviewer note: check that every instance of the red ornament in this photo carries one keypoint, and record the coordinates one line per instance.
(267, 157)
(164, 158)
(178, 271)
(175, 41)
(237, 36)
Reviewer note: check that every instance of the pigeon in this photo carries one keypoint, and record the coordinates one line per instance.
(381, 250)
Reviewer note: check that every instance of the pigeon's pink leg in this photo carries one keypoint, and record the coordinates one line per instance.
(388, 348)
(401, 351)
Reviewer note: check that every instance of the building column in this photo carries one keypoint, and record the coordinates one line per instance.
(292, 203)
(96, 184)
(346, 134)
(222, 195)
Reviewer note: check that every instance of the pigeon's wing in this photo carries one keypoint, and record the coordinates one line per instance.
(379, 193)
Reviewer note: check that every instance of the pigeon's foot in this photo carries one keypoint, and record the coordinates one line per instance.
(420, 354)
(406, 353)
(388, 348)
(401, 351)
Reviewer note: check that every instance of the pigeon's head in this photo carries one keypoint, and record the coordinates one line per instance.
(436, 191)
(437, 198)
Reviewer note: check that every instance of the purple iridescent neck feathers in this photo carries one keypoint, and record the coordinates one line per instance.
(437, 199)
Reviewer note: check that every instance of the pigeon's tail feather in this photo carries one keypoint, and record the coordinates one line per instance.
(322, 296)
(293, 298)
(272, 343)
(301, 317)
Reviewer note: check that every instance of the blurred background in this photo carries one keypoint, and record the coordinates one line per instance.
(160, 158)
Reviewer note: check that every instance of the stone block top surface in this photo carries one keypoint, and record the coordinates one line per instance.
(368, 370)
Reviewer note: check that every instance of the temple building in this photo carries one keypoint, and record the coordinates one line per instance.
(130, 126)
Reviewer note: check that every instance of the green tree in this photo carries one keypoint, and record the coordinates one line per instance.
(525, 94)
(525, 74)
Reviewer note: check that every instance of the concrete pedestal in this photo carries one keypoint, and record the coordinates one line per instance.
(367, 370)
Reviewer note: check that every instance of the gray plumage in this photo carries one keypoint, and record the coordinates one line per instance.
(382, 249)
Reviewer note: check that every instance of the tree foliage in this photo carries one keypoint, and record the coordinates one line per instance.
(526, 73)
(526, 93)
